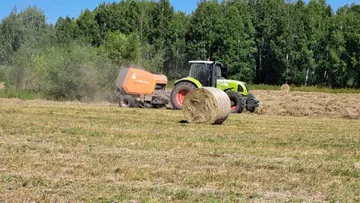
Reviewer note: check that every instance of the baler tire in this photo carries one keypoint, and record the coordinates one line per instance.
(127, 101)
(178, 93)
(238, 100)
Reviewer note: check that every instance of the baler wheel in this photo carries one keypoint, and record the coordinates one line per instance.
(127, 101)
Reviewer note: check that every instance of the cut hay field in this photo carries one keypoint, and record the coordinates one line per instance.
(76, 152)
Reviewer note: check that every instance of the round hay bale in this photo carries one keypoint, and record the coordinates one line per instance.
(207, 105)
(285, 88)
(357, 166)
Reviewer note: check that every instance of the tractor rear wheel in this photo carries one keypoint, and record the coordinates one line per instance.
(127, 101)
(178, 94)
(237, 102)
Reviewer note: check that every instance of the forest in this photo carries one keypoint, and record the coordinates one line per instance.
(261, 41)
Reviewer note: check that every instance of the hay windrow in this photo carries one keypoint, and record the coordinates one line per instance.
(206, 105)
(308, 104)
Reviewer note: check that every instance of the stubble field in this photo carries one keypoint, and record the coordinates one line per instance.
(308, 150)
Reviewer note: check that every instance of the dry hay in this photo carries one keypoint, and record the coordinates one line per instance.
(357, 167)
(285, 88)
(308, 104)
(206, 105)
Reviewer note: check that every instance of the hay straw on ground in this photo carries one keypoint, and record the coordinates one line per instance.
(357, 166)
(308, 104)
(206, 105)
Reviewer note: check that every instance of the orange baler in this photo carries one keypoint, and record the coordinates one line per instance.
(140, 88)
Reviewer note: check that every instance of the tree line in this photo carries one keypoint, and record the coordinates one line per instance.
(261, 41)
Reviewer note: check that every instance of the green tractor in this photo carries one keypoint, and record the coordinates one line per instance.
(211, 74)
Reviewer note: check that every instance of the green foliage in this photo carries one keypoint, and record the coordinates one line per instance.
(11, 35)
(261, 42)
(237, 41)
(75, 72)
(203, 36)
(161, 28)
(351, 31)
(88, 28)
(2, 73)
(316, 28)
(66, 30)
(151, 58)
(27, 27)
(120, 48)
(272, 40)
(175, 56)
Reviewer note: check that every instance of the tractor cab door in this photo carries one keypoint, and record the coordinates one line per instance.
(202, 73)
(216, 74)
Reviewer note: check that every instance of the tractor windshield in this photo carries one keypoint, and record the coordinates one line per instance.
(201, 72)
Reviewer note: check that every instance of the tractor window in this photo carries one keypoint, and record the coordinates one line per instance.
(200, 72)
(217, 72)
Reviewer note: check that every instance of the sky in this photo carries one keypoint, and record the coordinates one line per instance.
(55, 8)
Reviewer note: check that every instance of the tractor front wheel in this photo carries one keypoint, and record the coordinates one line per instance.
(179, 92)
(238, 102)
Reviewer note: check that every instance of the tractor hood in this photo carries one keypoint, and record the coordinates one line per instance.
(234, 85)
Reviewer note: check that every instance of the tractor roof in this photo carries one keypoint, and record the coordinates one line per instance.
(199, 61)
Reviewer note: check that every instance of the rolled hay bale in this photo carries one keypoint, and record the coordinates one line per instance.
(357, 166)
(207, 105)
(285, 88)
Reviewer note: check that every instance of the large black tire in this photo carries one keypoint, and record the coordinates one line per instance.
(251, 103)
(238, 102)
(127, 101)
(178, 93)
(251, 109)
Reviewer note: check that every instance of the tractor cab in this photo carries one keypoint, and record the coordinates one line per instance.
(206, 72)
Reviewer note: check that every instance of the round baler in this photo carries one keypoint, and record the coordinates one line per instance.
(140, 88)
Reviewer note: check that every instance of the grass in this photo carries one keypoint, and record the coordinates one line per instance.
(20, 94)
(101, 153)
